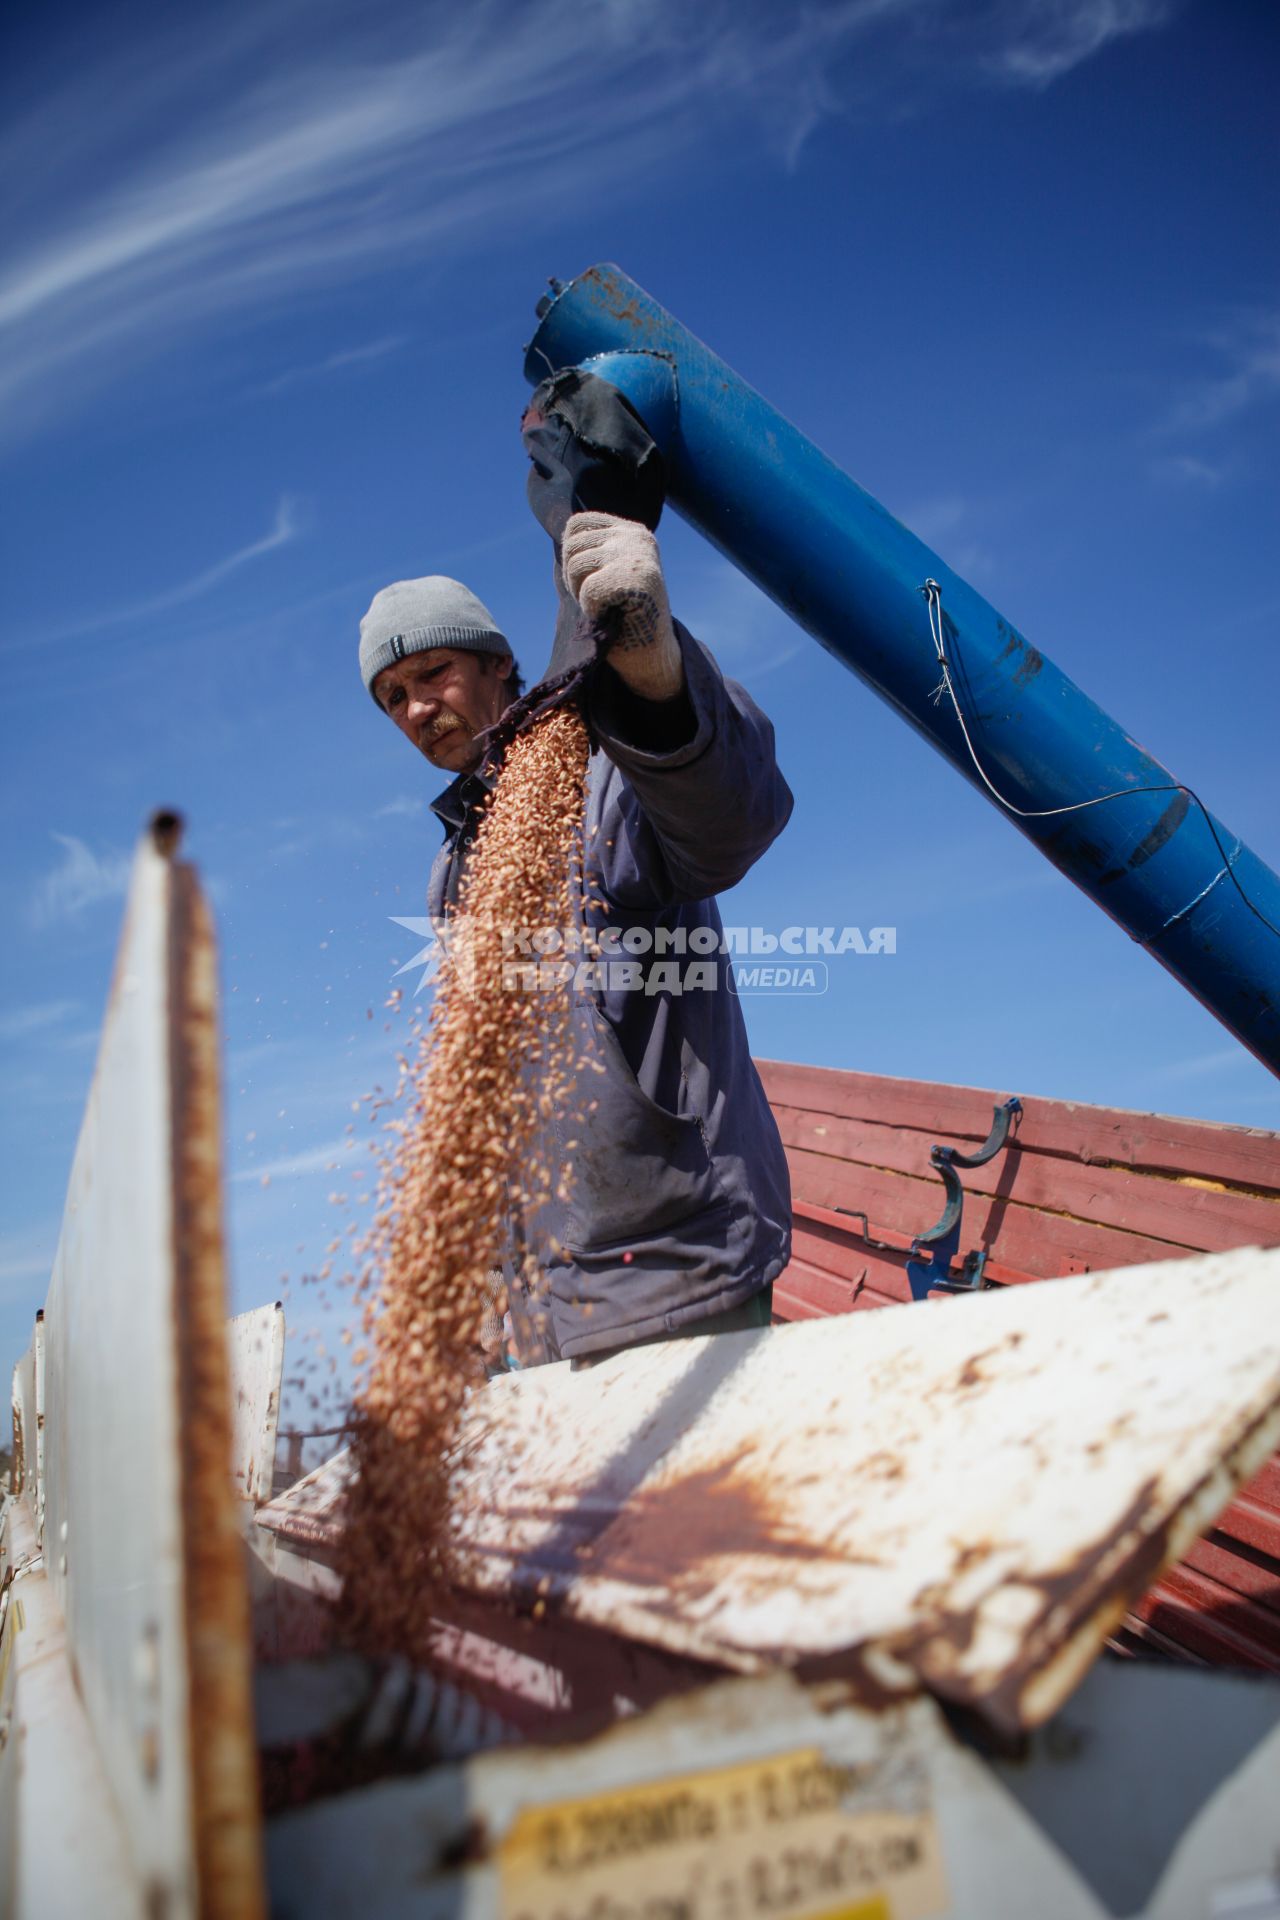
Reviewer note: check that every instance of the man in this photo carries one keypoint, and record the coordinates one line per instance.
(679, 1213)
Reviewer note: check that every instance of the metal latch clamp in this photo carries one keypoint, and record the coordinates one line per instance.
(930, 1271)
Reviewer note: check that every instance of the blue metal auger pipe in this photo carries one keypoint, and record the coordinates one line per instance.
(853, 576)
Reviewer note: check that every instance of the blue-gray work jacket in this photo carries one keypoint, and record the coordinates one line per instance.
(680, 1201)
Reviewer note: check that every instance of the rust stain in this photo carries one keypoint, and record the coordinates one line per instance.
(970, 1555)
(853, 1680)
(971, 1374)
(1097, 1583)
(672, 1538)
(1067, 1582)
(226, 1814)
(628, 311)
(303, 1529)
(883, 1466)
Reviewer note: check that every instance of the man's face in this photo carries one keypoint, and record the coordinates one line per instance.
(442, 699)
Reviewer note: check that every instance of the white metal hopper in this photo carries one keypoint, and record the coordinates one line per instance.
(965, 1497)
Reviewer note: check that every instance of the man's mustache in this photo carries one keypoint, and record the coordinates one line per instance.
(443, 723)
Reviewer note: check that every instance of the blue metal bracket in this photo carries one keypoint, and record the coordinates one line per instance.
(932, 1274)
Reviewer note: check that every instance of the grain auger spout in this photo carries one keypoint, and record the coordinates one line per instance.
(1112, 819)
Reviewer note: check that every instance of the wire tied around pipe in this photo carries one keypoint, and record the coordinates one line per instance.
(932, 593)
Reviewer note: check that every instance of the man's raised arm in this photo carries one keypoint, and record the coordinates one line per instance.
(695, 748)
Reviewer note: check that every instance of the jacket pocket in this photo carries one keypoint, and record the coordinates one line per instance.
(638, 1171)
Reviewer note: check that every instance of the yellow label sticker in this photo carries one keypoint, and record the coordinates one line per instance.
(797, 1837)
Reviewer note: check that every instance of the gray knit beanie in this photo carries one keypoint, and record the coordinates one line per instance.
(415, 615)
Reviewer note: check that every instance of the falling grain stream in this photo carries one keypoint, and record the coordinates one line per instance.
(493, 1066)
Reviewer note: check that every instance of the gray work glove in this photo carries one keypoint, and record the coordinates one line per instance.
(614, 572)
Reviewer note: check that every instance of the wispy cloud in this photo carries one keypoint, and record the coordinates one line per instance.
(81, 879)
(335, 363)
(1042, 43)
(283, 529)
(404, 805)
(748, 635)
(1186, 470)
(26, 1255)
(297, 147)
(20, 1022)
(82, 1041)
(1247, 375)
(289, 1165)
(323, 161)
(1202, 1065)
(946, 525)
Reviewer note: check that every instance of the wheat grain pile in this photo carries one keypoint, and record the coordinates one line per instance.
(492, 1066)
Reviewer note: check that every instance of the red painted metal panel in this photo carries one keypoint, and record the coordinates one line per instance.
(1139, 1636)
(1244, 1157)
(1255, 1576)
(788, 1306)
(1160, 1207)
(1253, 1523)
(1083, 1188)
(1211, 1621)
(817, 1292)
(849, 1267)
(1043, 1244)
(833, 1241)
(1265, 1486)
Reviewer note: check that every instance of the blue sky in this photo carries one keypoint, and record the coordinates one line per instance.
(1013, 264)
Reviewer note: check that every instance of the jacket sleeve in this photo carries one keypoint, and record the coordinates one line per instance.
(689, 822)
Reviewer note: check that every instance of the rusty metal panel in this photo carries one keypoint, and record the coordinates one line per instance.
(113, 1517)
(255, 1346)
(140, 1528)
(9, 1744)
(309, 1513)
(65, 1850)
(23, 1474)
(37, 1351)
(964, 1497)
